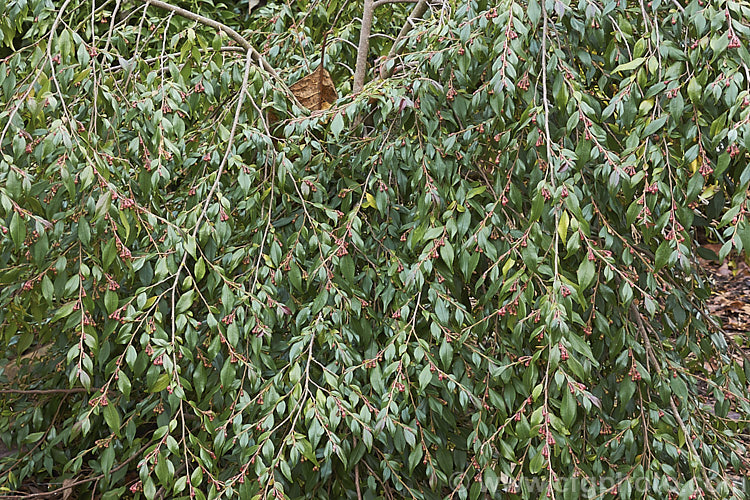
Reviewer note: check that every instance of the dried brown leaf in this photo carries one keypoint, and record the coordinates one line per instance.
(67, 491)
(315, 91)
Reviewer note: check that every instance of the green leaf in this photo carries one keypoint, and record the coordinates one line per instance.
(663, 254)
(446, 252)
(425, 377)
(534, 12)
(562, 226)
(161, 383)
(581, 346)
(64, 311)
(112, 417)
(337, 124)
(537, 463)
(655, 125)
(694, 90)
(347, 268)
(17, 230)
(185, 301)
(227, 374)
(123, 384)
(679, 389)
(630, 65)
(586, 271)
(568, 409)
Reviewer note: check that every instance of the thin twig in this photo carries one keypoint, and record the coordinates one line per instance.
(47, 391)
(53, 493)
(547, 135)
(356, 481)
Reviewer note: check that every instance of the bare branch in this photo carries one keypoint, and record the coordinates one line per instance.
(150, 60)
(419, 9)
(383, 2)
(219, 26)
(363, 47)
(416, 14)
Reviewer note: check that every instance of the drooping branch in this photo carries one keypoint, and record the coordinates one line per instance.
(675, 411)
(219, 26)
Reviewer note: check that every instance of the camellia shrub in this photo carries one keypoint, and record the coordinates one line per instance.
(475, 276)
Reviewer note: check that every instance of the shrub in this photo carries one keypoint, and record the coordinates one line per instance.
(476, 276)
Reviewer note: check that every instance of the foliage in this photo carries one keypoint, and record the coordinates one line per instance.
(480, 270)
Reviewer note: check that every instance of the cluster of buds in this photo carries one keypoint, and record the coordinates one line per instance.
(146, 153)
(550, 439)
(165, 153)
(635, 375)
(341, 250)
(734, 41)
(88, 320)
(524, 82)
(259, 330)
(117, 314)
(124, 252)
(229, 319)
(563, 352)
(223, 217)
(546, 194)
(199, 87)
(126, 203)
(30, 146)
(733, 150)
(111, 283)
(372, 363)
(99, 401)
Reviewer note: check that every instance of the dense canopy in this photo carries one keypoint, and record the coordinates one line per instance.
(459, 259)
